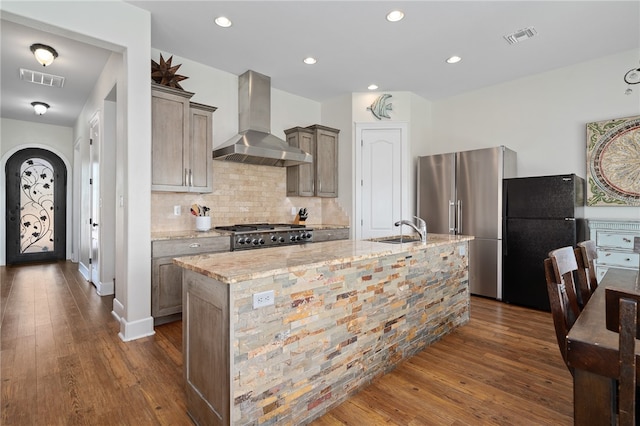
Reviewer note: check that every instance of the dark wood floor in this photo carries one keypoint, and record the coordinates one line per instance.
(62, 363)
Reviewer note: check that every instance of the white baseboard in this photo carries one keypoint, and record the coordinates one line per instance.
(84, 271)
(118, 309)
(131, 330)
(105, 289)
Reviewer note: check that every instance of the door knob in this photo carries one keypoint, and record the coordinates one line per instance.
(95, 224)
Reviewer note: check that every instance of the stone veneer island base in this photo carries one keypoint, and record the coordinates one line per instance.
(345, 313)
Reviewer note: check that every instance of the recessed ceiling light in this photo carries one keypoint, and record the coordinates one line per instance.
(395, 16)
(372, 87)
(223, 21)
(453, 59)
(310, 60)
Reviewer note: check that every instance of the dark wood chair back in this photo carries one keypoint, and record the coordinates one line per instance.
(563, 316)
(622, 317)
(564, 266)
(586, 255)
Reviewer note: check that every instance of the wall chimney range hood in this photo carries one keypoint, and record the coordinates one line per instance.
(254, 144)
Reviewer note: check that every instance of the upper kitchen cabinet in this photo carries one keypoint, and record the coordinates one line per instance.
(319, 178)
(182, 142)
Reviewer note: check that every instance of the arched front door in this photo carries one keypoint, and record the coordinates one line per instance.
(36, 206)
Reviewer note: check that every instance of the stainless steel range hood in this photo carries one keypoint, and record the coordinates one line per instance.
(254, 144)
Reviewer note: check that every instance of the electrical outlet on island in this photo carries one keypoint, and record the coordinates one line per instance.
(265, 298)
(177, 210)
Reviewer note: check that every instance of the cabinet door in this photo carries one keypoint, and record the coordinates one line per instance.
(166, 278)
(170, 136)
(326, 161)
(301, 178)
(200, 171)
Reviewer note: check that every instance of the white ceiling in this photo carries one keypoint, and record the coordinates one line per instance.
(354, 44)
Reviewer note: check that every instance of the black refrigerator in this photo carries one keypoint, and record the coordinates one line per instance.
(541, 214)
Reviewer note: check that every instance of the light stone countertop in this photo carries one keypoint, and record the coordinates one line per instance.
(176, 235)
(192, 233)
(238, 266)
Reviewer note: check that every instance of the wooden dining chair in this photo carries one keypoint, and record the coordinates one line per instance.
(622, 318)
(563, 311)
(564, 266)
(586, 255)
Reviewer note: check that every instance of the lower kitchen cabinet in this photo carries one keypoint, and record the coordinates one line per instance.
(614, 244)
(166, 277)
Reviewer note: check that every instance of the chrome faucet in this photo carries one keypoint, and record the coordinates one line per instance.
(422, 229)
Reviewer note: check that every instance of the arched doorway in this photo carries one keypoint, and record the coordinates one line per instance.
(36, 209)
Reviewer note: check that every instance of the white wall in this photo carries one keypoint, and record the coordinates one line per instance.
(95, 106)
(336, 113)
(543, 118)
(16, 135)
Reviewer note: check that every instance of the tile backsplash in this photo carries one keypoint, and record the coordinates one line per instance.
(243, 193)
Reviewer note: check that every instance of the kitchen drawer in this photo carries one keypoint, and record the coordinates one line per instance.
(613, 258)
(189, 246)
(615, 240)
(320, 235)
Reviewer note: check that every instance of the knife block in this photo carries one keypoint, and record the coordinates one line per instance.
(299, 221)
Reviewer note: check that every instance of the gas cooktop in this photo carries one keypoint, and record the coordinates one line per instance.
(258, 227)
(261, 235)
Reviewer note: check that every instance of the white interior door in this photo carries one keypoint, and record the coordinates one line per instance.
(381, 182)
(94, 159)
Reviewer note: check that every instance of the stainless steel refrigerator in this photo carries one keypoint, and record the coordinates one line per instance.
(542, 213)
(461, 193)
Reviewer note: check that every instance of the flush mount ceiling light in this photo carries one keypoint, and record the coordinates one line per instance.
(631, 77)
(39, 107)
(223, 21)
(395, 16)
(453, 59)
(44, 54)
(372, 87)
(310, 60)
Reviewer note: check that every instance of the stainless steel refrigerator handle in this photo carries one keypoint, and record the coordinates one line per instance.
(451, 216)
(459, 218)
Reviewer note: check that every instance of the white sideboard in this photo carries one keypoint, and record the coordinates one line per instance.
(614, 244)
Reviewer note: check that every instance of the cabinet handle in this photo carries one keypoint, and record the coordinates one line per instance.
(626, 240)
(194, 245)
(186, 177)
(190, 178)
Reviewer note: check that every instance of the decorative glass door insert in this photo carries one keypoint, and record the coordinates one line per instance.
(36, 206)
(36, 200)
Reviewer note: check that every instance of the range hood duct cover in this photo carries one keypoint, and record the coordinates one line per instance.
(254, 144)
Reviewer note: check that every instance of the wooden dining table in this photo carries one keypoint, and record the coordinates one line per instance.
(592, 352)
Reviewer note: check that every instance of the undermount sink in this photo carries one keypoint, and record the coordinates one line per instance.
(400, 239)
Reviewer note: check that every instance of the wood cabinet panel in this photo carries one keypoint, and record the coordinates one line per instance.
(166, 287)
(326, 163)
(170, 134)
(182, 142)
(201, 147)
(319, 179)
(166, 277)
(206, 349)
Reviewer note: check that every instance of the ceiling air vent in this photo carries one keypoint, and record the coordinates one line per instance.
(520, 35)
(38, 77)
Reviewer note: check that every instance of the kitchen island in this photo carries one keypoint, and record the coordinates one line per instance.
(344, 313)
